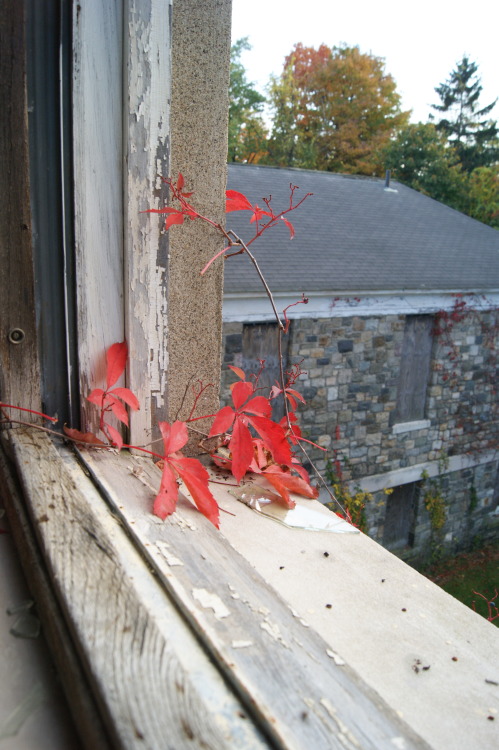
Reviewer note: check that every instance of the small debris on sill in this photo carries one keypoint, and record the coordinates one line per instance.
(241, 644)
(266, 503)
(418, 666)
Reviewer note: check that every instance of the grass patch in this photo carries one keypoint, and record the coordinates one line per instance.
(471, 572)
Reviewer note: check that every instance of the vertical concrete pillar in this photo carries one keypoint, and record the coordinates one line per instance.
(198, 119)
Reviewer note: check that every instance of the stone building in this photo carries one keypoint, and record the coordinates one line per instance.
(398, 344)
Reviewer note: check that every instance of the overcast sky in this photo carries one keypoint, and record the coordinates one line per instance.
(420, 41)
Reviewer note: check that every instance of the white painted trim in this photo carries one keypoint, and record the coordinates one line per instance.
(420, 424)
(413, 473)
(253, 307)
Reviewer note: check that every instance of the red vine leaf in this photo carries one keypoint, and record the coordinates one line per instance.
(237, 370)
(126, 395)
(116, 357)
(114, 436)
(82, 437)
(241, 447)
(189, 470)
(174, 218)
(290, 227)
(236, 202)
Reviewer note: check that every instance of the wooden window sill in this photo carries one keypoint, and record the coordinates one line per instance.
(224, 639)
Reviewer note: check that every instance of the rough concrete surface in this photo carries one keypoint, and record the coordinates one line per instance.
(433, 660)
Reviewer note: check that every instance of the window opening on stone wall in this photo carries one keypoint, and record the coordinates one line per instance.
(414, 369)
(260, 343)
(400, 518)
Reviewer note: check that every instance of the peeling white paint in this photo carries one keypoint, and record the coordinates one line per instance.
(346, 735)
(337, 658)
(273, 630)
(208, 600)
(241, 644)
(171, 559)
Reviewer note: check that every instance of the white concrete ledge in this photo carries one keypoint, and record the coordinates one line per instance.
(414, 473)
(419, 424)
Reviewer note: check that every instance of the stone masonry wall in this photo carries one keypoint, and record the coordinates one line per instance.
(352, 367)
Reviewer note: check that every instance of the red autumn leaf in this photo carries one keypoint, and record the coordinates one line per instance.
(302, 472)
(190, 470)
(295, 484)
(290, 227)
(236, 202)
(126, 395)
(180, 182)
(114, 436)
(258, 405)
(174, 436)
(174, 218)
(117, 408)
(241, 391)
(223, 421)
(116, 361)
(258, 213)
(195, 478)
(240, 373)
(166, 499)
(82, 437)
(96, 397)
(274, 438)
(241, 448)
(294, 433)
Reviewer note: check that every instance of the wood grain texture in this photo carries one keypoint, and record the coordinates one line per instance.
(154, 683)
(17, 297)
(279, 666)
(98, 186)
(69, 670)
(146, 116)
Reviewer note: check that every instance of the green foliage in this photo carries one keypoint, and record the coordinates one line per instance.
(247, 133)
(483, 195)
(420, 158)
(434, 503)
(464, 123)
(353, 503)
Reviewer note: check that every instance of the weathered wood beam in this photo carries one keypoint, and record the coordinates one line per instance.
(19, 367)
(150, 675)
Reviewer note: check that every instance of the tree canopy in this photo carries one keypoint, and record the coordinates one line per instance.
(420, 157)
(247, 133)
(337, 109)
(334, 109)
(464, 121)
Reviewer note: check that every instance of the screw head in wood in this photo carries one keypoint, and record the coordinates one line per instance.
(16, 336)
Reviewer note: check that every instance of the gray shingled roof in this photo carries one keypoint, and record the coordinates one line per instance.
(353, 235)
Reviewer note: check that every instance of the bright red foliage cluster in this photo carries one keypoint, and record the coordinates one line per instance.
(250, 441)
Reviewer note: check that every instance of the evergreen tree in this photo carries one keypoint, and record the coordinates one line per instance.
(465, 123)
(247, 133)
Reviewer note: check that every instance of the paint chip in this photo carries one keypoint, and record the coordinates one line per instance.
(211, 601)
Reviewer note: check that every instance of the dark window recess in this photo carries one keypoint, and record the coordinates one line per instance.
(414, 368)
(49, 78)
(260, 343)
(400, 519)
